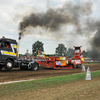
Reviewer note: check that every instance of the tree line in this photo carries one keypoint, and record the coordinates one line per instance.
(61, 50)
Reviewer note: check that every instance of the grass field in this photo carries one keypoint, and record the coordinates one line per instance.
(52, 82)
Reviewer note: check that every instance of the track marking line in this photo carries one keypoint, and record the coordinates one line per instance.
(18, 81)
(37, 78)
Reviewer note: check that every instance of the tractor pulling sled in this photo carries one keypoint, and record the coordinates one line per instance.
(63, 62)
(9, 59)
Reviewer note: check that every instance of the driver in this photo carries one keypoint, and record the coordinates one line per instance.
(6, 45)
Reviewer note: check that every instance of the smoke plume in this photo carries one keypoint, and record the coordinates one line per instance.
(53, 19)
(77, 15)
(93, 25)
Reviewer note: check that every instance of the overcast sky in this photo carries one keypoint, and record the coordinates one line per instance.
(13, 11)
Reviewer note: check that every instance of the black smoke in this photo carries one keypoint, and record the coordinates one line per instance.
(69, 14)
(53, 19)
(93, 25)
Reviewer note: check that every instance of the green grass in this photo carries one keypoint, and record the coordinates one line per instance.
(43, 83)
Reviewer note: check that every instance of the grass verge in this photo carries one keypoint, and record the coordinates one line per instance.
(43, 83)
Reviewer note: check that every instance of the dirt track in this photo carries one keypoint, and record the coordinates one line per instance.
(17, 74)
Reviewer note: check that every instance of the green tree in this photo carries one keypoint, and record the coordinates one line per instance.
(85, 53)
(37, 46)
(61, 50)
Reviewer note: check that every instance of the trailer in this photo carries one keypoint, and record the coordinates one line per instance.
(63, 62)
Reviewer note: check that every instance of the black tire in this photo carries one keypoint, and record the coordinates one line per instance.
(35, 67)
(30, 66)
(8, 65)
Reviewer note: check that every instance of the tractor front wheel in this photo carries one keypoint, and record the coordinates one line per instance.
(8, 65)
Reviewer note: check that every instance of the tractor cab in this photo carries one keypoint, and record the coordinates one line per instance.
(8, 46)
(77, 59)
(8, 52)
(77, 52)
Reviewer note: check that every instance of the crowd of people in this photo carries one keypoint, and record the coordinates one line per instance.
(25, 57)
